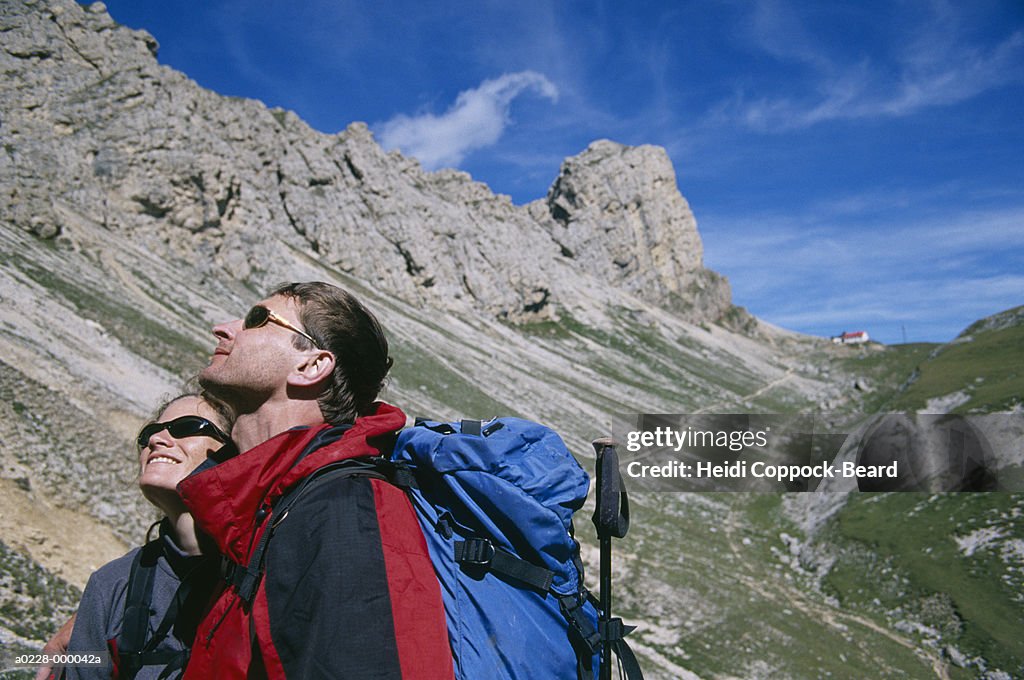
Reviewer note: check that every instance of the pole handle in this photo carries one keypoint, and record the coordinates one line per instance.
(611, 516)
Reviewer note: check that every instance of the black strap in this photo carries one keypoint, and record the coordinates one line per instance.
(138, 601)
(131, 663)
(246, 579)
(584, 629)
(440, 428)
(135, 646)
(613, 633)
(480, 552)
(471, 427)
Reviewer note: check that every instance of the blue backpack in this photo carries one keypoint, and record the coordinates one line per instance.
(496, 500)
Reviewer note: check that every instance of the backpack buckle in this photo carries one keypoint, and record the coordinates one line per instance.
(478, 551)
(227, 569)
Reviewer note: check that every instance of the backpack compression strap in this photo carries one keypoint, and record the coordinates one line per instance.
(480, 552)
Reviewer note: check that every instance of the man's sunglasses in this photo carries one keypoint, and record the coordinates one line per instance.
(185, 426)
(260, 315)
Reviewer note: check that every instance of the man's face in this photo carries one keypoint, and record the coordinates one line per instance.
(253, 364)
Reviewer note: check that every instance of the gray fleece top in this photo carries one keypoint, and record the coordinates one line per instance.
(101, 610)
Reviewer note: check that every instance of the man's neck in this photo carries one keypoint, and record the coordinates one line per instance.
(271, 419)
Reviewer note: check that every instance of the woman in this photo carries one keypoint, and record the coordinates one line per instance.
(143, 607)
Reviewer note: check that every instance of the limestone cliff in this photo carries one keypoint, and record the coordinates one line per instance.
(95, 128)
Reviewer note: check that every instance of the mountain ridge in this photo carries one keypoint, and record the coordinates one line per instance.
(229, 176)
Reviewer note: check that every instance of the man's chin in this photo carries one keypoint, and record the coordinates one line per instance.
(214, 384)
(208, 376)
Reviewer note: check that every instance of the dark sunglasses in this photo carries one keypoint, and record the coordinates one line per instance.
(185, 426)
(260, 315)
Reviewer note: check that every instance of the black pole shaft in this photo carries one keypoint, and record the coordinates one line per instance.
(606, 604)
(601, 521)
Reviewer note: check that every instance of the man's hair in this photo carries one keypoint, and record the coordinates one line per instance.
(341, 325)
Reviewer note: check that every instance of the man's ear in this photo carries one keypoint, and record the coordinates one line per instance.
(314, 369)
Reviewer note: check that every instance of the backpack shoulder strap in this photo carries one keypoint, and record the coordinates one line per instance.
(246, 579)
(138, 600)
(135, 646)
(135, 642)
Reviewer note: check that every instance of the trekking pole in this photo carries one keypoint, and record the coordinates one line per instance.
(611, 519)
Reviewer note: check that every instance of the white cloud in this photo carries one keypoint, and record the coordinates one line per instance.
(476, 120)
(777, 29)
(935, 66)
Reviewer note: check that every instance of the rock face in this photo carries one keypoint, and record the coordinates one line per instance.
(617, 205)
(94, 128)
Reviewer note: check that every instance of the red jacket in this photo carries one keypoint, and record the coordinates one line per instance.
(348, 589)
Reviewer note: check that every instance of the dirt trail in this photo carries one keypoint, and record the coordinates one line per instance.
(753, 395)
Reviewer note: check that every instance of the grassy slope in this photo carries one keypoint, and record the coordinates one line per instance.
(898, 560)
(753, 610)
(886, 369)
(989, 367)
(986, 363)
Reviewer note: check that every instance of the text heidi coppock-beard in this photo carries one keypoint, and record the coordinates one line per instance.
(740, 469)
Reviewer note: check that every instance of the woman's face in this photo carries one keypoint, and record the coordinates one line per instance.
(165, 460)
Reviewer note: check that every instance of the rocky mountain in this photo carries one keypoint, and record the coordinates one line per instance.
(145, 153)
(137, 209)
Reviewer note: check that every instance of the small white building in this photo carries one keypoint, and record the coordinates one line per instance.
(853, 338)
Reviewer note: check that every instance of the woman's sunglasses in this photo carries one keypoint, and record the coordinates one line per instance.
(185, 426)
(260, 315)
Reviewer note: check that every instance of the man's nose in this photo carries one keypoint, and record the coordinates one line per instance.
(227, 330)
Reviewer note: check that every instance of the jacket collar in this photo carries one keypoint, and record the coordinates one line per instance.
(225, 498)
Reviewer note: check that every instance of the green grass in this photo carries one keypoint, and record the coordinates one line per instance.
(146, 337)
(898, 554)
(990, 368)
(673, 370)
(887, 370)
(414, 368)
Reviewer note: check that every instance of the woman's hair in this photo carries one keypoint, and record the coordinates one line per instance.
(225, 416)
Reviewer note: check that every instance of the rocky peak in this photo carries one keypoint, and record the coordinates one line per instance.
(617, 210)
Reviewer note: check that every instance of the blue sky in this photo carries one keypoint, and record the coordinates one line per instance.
(852, 165)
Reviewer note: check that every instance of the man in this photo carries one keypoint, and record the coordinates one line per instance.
(346, 588)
